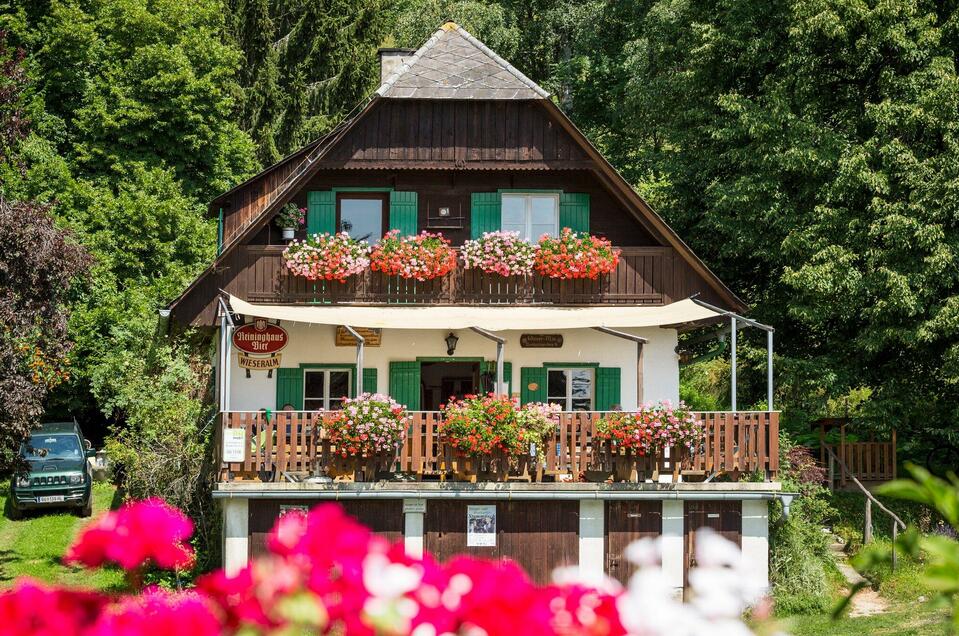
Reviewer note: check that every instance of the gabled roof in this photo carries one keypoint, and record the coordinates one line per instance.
(455, 65)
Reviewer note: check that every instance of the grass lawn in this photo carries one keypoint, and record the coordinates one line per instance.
(901, 620)
(33, 546)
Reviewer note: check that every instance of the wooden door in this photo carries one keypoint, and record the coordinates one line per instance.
(628, 521)
(383, 516)
(725, 517)
(538, 535)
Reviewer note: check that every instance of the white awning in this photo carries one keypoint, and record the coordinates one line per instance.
(487, 317)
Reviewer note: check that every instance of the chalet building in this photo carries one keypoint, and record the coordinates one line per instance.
(458, 141)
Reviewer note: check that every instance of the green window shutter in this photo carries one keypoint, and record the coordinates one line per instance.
(405, 384)
(485, 213)
(403, 211)
(608, 381)
(369, 380)
(289, 388)
(574, 211)
(321, 212)
(528, 376)
(489, 366)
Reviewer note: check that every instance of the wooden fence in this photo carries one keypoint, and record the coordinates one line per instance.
(867, 461)
(288, 441)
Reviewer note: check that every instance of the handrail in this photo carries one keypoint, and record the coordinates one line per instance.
(865, 490)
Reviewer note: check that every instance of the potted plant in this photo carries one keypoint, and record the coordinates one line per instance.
(327, 256)
(575, 255)
(642, 436)
(483, 430)
(422, 257)
(367, 430)
(503, 253)
(290, 219)
(538, 420)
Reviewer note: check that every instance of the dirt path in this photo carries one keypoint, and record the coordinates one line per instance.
(867, 601)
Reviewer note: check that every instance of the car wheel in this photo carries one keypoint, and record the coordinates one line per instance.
(87, 508)
(15, 513)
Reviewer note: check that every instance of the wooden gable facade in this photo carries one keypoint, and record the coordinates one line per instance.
(442, 165)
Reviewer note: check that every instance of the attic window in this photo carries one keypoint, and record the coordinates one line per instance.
(532, 215)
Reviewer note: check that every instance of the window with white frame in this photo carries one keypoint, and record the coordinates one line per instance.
(571, 389)
(532, 215)
(325, 388)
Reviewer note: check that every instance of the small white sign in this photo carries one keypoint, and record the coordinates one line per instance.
(288, 508)
(480, 526)
(414, 505)
(234, 449)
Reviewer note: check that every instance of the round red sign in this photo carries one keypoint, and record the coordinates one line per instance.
(260, 337)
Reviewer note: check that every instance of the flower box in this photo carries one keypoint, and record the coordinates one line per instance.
(327, 257)
(575, 255)
(503, 253)
(422, 257)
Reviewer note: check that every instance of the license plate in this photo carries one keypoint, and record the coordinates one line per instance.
(51, 499)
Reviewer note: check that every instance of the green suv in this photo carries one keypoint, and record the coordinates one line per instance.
(59, 474)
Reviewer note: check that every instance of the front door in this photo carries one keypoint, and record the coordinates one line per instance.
(441, 380)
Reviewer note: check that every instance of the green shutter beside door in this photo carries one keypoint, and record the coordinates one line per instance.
(321, 212)
(289, 388)
(369, 380)
(485, 213)
(574, 211)
(403, 211)
(608, 381)
(489, 366)
(532, 376)
(405, 384)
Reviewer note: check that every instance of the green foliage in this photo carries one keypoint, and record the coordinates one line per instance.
(850, 517)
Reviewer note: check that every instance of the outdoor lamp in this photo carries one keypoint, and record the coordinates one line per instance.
(451, 341)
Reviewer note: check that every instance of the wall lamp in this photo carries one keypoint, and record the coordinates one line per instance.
(451, 341)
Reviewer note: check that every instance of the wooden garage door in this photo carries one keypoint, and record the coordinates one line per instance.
(383, 516)
(725, 517)
(628, 521)
(539, 535)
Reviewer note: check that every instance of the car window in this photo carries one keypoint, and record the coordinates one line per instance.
(65, 446)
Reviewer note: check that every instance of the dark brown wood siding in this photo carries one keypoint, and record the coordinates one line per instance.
(447, 133)
(628, 521)
(538, 535)
(725, 517)
(383, 516)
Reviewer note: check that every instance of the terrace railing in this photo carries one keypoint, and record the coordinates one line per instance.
(290, 442)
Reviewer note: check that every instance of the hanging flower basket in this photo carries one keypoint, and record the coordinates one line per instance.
(575, 255)
(503, 253)
(290, 219)
(327, 257)
(421, 257)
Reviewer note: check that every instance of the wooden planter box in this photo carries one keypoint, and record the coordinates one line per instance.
(625, 464)
(496, 466)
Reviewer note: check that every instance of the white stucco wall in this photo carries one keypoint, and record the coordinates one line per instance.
(314, 344)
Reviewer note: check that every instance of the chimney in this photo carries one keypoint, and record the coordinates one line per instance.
(392, 59)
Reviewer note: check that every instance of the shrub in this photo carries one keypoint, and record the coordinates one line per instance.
(422, 257)
(368, 424)
(327, 257)
(503, 253)
(575, 255)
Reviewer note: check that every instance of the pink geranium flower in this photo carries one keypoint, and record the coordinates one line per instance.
(33, 609)
(139, 532)
(158, 613)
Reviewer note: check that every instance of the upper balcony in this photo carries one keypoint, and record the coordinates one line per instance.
(645, 276)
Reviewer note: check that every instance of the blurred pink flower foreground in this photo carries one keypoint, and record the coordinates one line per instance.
(140, 532)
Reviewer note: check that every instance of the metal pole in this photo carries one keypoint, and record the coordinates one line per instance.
(769, 371)
(732, 322)
(360, 344)
(500, 369)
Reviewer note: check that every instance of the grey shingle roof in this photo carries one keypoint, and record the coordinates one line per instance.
(455, 65)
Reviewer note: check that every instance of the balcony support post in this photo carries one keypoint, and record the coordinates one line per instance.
(501, 385)
(769, 371)
(360, 345)
(226, 354)
(732, 363)
(640, 342)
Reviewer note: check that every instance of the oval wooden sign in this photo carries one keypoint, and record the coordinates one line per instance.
(260, 337)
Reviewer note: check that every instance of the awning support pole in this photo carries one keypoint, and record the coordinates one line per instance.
(640, 342)
(769, 370)
(501, 385)
(360, 344)
(226, 354)
(732, 323)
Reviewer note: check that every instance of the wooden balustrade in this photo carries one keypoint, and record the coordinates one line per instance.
(867, 461)
(295, 442)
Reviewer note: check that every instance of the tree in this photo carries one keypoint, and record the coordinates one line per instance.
(38, 265)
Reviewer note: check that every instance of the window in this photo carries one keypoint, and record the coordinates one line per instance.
(325, 388)
(572, 389)
(362, 215)
(532, 215)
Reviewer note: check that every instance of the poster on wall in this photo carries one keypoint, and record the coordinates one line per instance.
(480, 526)
(233, 446)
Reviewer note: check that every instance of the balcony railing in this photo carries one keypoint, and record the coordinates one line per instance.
(645, 276)
(294, 443)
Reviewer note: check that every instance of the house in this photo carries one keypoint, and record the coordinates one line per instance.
(456, 140)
